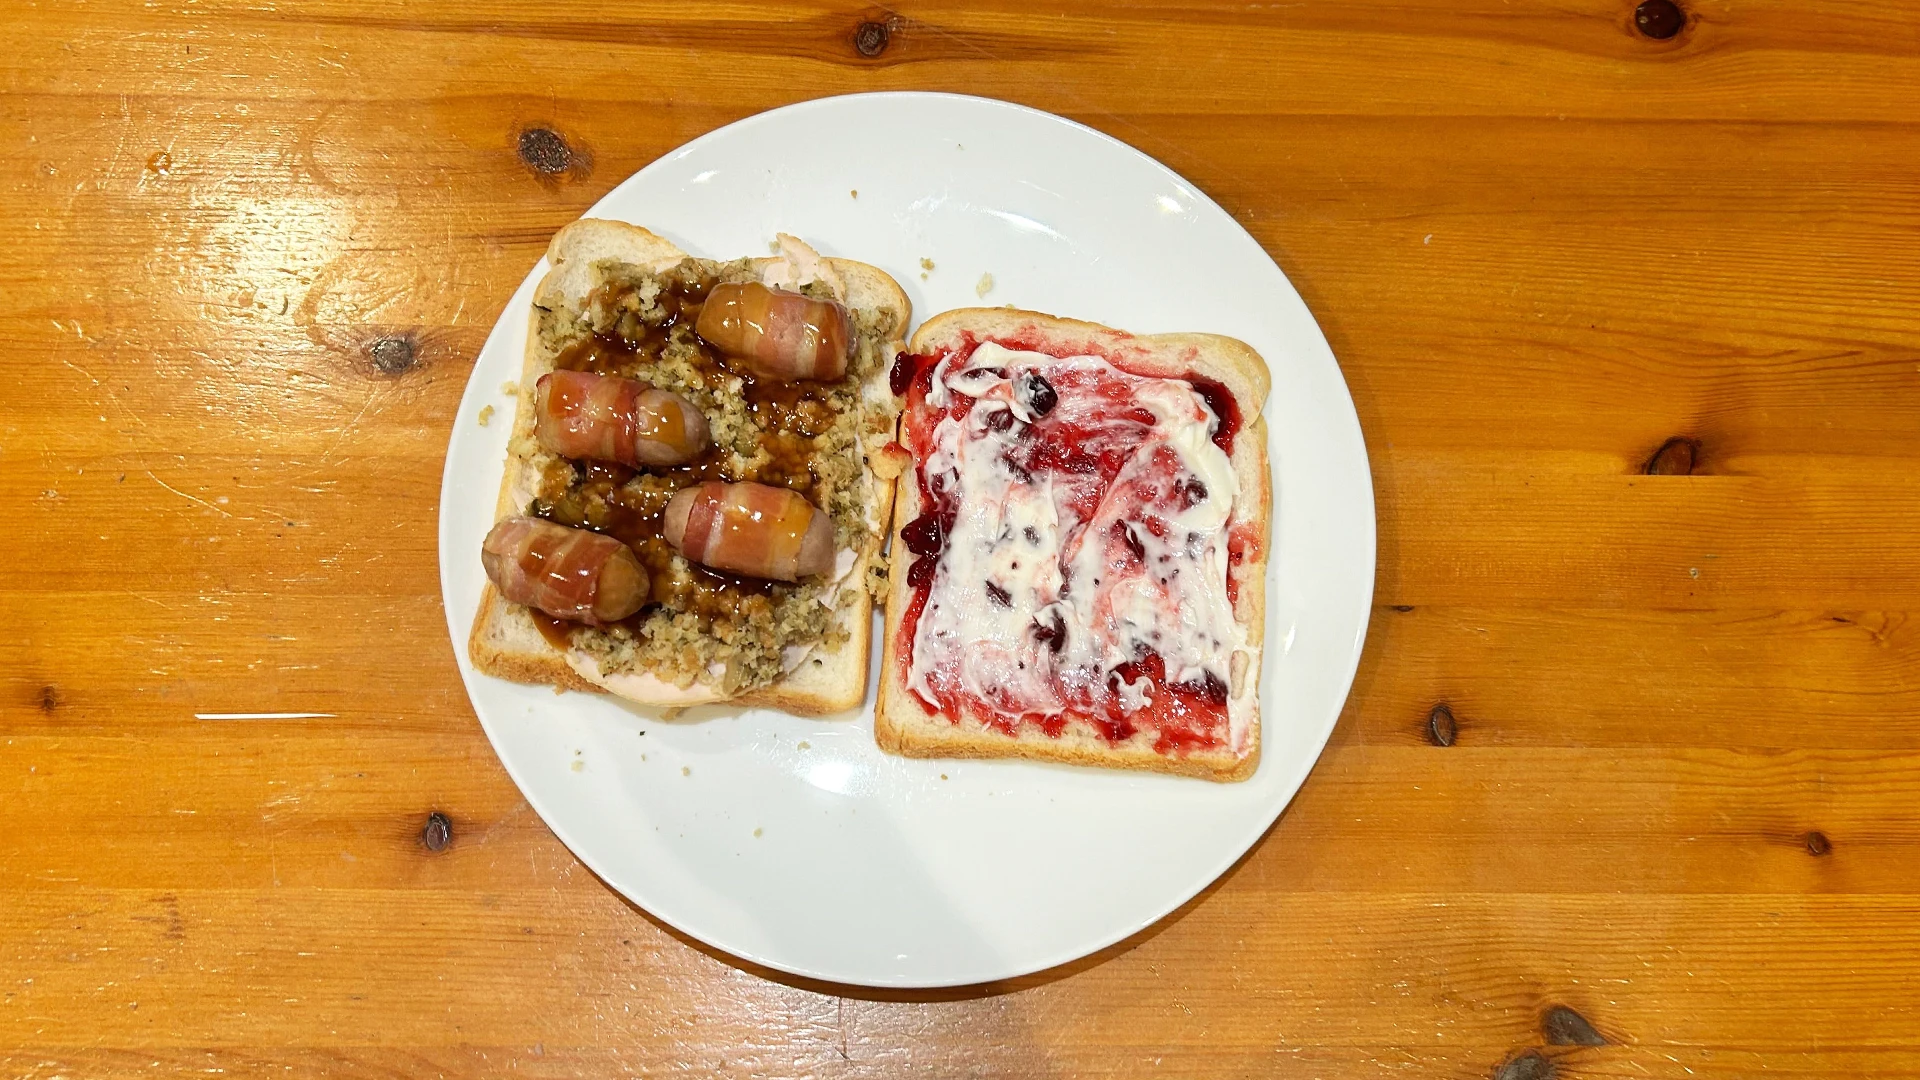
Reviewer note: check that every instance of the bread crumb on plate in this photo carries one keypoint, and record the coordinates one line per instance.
(984, 286)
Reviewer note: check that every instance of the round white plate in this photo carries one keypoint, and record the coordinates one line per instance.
(796, 843)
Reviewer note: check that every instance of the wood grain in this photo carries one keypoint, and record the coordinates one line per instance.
(252, 251)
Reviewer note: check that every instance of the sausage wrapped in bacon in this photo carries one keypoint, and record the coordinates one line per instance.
(752, 529)
(780, 334)
(567, 573)
(578, 414)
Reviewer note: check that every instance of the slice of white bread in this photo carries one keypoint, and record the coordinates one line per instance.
(505, 641)
(903, 725)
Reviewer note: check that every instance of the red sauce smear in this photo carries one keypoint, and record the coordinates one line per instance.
(1181, 716)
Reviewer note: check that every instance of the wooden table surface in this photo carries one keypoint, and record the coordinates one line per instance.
(1627, 784)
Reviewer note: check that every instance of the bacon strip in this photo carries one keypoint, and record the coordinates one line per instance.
(568, 573)
(780, 334)
(578, 414)
(752, 529)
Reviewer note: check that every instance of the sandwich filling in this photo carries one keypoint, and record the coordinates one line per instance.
(706, 629)
(1073, 554)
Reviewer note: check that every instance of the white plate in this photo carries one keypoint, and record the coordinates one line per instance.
(795, 843)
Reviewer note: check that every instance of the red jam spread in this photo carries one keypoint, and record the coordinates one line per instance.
(1075, 560)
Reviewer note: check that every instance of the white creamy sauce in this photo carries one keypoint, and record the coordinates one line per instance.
(1023, 554)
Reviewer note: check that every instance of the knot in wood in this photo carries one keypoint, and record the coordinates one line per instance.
(1818, 844)
(1562, 1026)
(870, 38)
(1659, 19)
(1677, 456)
(1441, 728)
(544, 151)
(438, 832)
(1530, 1065)
(393, 354)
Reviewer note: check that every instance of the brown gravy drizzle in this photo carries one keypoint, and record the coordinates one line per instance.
(558, 632)
(791, 415)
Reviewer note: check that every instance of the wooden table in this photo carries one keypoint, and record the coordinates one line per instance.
(1627, 785)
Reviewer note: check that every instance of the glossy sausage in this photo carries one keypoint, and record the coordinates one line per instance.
(578, 414)
(752, 529)
(780, 334)
(567, 573)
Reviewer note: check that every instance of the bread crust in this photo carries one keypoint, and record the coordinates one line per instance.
(506, 643)
(902, 725)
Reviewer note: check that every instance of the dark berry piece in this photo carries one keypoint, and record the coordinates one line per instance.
(923, 535)
(1052, 633)
(1038, 394)
(1214, 689)
(921, 572)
